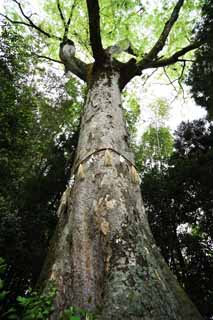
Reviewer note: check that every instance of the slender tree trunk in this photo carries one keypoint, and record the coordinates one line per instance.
(103, 257)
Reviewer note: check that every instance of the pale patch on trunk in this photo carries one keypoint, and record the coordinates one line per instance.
(103, 257)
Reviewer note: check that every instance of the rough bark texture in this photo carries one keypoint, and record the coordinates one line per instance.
(103, 257)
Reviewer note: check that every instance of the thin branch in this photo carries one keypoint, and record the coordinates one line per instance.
(47, 58)
(148, 77)
(14, 21)
(66, 29)
(94, 27)
(61, 13)
(180, 78)
(170, 81)
(164, 35)
(141, 10)
(30, 23)
(33, 14)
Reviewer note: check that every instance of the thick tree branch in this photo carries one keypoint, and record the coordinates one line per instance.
(94, 28)
(164, 35)
(74, 65)
(174, 58)
(77, 67)
(30, 23)
(127, 71)
(131, 69)
(151, 60)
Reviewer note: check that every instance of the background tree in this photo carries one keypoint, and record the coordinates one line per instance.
(180, 198)
(200, 77)
(37, 139)
(156, 143)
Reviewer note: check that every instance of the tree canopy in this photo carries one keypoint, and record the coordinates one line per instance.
(141, 36)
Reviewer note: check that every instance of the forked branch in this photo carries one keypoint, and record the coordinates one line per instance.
(173, 58)
(152, 60)
(61, 13)
(152, 55)
(67, 24)
(29, 23)
(130, 70)
(74, 65)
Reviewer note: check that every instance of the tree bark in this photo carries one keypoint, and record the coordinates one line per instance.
(103, 257)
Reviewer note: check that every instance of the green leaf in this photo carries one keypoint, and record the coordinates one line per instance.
(1, 283)
(3, 295)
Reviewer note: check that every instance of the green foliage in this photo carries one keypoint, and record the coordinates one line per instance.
(32, 306)
(179, 196)
(131, 113)
(35, 148)
(200, 77)
(155, 148)
(37, 143)
(156, 143)
(3, 293)
(37, 306)
(138, 22)
(74, 313)
(160, 110)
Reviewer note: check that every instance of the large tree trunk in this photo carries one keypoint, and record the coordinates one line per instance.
(103, 257)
